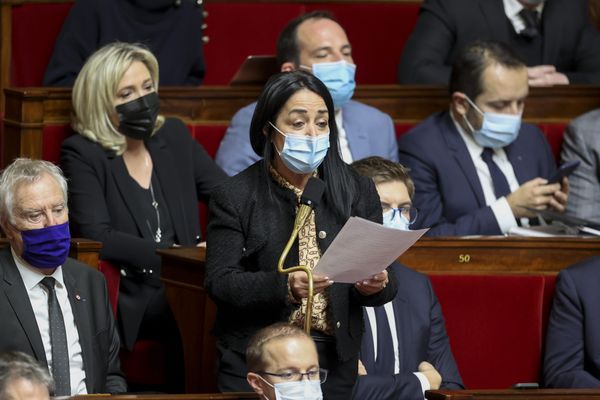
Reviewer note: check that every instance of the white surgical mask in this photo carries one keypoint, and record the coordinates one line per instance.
(394, 219)
(497, 130)
(297, 390)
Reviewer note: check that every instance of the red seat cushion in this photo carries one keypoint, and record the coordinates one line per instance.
(34, 31)
(554, 133)
(53, 136)
(495, 327)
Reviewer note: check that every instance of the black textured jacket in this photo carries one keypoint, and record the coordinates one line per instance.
(247, 232)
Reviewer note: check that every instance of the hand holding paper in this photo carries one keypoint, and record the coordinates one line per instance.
(363, 249)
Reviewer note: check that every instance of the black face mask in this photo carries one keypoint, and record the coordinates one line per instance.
(137, 118)
(154, 5)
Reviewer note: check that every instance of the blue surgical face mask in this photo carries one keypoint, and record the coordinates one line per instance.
(394, 219)
(46, 247)
(338, 76)
(497, 130)
(303, 154)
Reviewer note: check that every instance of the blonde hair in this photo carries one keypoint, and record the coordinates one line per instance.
(96, 87)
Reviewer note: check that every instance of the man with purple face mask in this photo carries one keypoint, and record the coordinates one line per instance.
(479, 170)
(52, 307)
(405, 348)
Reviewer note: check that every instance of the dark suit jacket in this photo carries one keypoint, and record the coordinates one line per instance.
(100, 207)
(572, 358)
(250, 224)
(421, 336)
(444, 27)
(448, 193)
(93, 317)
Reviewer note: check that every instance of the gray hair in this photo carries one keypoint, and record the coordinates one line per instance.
(15, 365)
(28, 171)
(95, 90)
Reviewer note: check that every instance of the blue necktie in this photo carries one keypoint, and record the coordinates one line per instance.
(384, 363)
(501, 187)
(58, 342)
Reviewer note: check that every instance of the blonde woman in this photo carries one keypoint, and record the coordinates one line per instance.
(134, 180)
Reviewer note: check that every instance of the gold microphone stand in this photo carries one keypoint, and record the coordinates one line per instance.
(303, 214)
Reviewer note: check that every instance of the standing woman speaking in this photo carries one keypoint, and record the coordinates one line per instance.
(251, 218)
(135, 179)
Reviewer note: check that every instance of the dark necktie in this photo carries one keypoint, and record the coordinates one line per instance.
(58, 342)
(501, 187)
(530, 17)
(384, 363)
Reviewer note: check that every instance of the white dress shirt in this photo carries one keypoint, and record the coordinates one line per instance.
(38, 296)
(512, 8)
(502, 211)
(389, 312)
(343, 138)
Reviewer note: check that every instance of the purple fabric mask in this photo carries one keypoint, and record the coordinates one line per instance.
(46, 247)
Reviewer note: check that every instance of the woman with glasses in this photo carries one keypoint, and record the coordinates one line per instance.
(251, 217)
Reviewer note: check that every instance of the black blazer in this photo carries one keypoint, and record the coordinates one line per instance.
(93, 318)
(444, 27)
(250, 224)
(100, 207)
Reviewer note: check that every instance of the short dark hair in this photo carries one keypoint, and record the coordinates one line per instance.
(288, 49)
(15, 365)
(340, 187)
(467, 70)
(255, 361)
(381, 170)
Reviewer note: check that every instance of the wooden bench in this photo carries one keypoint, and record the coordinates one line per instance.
(37, 119)
(496, 317)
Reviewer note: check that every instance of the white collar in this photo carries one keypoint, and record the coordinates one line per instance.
(31, 275)
(512, 8)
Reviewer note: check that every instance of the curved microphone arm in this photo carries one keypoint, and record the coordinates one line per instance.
(301, 218)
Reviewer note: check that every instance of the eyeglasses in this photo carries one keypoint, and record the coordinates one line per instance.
(409, 213)
(313, 375)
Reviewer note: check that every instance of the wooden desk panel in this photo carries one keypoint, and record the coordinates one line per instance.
(514, 394)
(28, 110)
(500, 254)
(183, 275)
(197, 396)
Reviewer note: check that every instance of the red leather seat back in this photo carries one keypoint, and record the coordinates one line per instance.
(495, 325)
(112, 274)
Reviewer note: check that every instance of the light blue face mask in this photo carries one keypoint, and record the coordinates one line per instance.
(497, 130)
(394, 219)
(338, 76)
(303, 154)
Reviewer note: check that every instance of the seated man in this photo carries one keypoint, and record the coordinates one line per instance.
(317, 43)
(22, 378)
(476, 167)
(55, 308)
(556, 38)
(582, 143)
(573, 335)
(405, 349)
(283, 363)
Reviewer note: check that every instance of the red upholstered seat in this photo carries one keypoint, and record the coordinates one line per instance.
(495, 324)
(145, 364)
(34, 31)
(554, 133)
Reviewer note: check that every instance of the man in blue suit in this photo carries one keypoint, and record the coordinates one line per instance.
(572, 358)
(317, 43)
(477, 169)
(405, 348)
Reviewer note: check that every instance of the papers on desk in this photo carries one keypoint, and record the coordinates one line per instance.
(362, 249)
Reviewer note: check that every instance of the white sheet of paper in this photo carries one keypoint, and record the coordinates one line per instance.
(362, 249)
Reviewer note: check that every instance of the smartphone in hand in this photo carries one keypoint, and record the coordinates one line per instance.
(564, 170)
